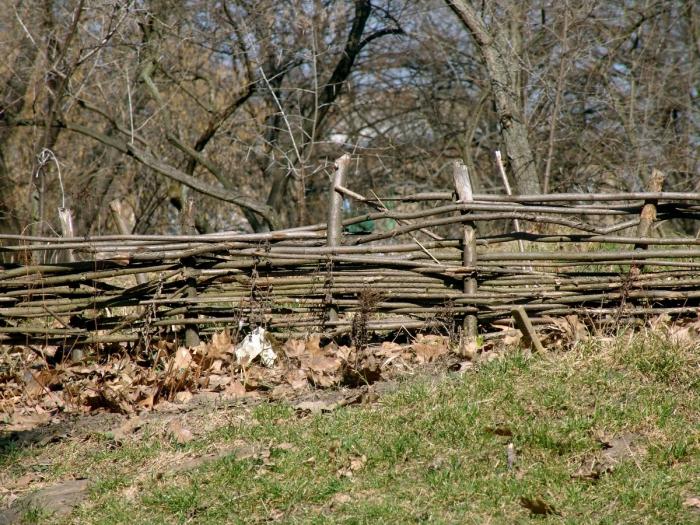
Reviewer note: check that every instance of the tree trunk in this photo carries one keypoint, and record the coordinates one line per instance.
(502, 64)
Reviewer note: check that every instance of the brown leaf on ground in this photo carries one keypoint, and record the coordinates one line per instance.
(328, 403)
(296, 378)
(235, 389)
(354, 464)
(615, 450)
(129, 427)
(180, 433)
(21, 421)
(428, 349)
(294, 348)
(182, 360)
(313, 344)
(537, 505)
(693, 503)
(221, 344)
(323, 371)
(500, 430)
(183, 397)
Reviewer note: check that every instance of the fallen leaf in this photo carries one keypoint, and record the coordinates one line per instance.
(428, 352)
(340, 499)
(235, 389)
(182, 360)
(180, 433)
(693, 503)
(500, 430)
(294, 348)
(537, 505)
(221, 343)
(615, 450)
(127, 428)
(328, 403)
(316, 407)
(183, 397)
(355, 464)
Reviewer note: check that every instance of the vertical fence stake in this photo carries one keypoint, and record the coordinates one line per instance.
(65, 216)
(120, 220)
(647, 216)
(334, 228)
(191, 330)
(463, 187)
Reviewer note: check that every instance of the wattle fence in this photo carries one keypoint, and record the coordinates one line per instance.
(452, 261)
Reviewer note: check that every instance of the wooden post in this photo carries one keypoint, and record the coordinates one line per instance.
(191, 330)
(119, 218)
(463, 187)
(334, 228)
(648, 216)
(335, 204)
(65, 216)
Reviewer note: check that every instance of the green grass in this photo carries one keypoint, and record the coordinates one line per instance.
(430, 452)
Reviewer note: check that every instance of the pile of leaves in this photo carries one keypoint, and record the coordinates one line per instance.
(38, 384)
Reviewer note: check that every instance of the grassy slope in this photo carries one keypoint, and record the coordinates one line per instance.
(428, 453)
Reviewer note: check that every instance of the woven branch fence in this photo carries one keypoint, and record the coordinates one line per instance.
(453, 260)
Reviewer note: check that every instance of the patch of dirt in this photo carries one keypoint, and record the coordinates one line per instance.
(54, 501)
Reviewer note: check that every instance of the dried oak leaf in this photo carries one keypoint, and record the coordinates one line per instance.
(180, 433)
(354, 464)
(537, 505)
(427, 352)
(293, 348)
(693, 503)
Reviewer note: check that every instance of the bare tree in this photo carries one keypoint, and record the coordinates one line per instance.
(498, 35)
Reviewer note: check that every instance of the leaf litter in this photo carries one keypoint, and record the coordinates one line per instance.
(39, 385)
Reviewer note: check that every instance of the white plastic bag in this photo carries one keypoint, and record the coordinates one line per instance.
(255, 344)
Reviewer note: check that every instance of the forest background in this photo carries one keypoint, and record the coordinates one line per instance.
(204, 115)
